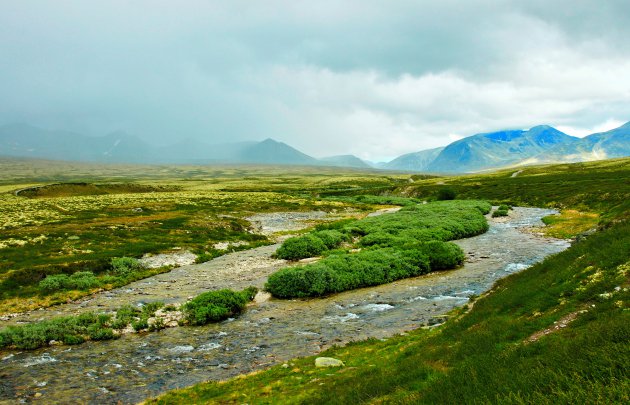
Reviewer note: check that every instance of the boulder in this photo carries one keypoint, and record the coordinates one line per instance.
(328, 362)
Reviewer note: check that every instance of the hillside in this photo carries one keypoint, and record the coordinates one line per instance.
(497, 149)
(344, 161)
(414, 162)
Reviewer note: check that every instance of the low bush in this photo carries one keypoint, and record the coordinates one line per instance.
(124, 266)
(301, 247)
(500, 213)
(81, 280)
(214, 306)
(331, 238)
(69, 330)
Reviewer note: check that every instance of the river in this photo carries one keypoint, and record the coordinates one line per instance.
(271, 331)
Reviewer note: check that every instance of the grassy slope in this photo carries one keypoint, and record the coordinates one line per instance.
(484, 354)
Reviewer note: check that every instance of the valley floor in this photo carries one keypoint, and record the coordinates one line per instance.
(270, 331)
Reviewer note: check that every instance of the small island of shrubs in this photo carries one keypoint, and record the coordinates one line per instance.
(407, 243)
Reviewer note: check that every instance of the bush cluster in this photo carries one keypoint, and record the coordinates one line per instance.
(501, 211)
(81, 280)
(120, 269)
(403, 244)
(347, 271)
(215, 306)
(208, 307)
(70, 330)
(312, 244)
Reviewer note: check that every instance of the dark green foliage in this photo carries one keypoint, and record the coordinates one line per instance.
(81, 280)
(124, 266)
(446, 194)
(345, 272)
(69, 330)
(442, 255)
(500, 213)
(331, 238)
(215, 306)
(140, 324)
(300, 247)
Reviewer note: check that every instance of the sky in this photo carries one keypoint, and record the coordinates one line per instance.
(372, 78)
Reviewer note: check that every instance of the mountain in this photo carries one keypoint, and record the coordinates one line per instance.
(28, 141)
(274, 152)
(344, 161)
(603, 145)
(497, 149)
(413, 162)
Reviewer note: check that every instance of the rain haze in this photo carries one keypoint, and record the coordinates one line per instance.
(372, 78)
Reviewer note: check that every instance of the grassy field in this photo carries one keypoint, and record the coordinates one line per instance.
(557, 332)
(101, 212)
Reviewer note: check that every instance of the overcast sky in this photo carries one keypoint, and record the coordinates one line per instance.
(372, 78)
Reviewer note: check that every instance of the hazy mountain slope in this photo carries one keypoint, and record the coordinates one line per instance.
(603, 145)
(274, 152)
(344, 161)
(28, 141)
(416, 161)
(497, 149)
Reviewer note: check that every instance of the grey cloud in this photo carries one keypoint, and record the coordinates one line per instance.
(375, 78)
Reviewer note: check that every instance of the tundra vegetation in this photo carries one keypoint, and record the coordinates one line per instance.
(211, 306)
(407, 243)
(556, 332)
(68, 221)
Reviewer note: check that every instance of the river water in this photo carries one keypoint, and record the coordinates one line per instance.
(138, 366)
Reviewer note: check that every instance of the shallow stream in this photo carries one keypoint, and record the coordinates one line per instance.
(138, 366)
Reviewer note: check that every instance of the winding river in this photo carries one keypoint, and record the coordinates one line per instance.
(271, 331)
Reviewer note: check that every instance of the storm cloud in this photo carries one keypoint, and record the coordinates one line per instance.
(372, 78)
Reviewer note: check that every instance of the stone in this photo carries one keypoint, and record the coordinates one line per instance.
(328, 362)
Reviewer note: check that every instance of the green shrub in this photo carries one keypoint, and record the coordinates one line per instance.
(442, 255)
(124, 266)
(345, 272)
(99, 332)
(446, 194)
(504, 207)
(500, 213)
(82, 280)
(301, 247)
(214, 306)
(54, 283)
(331, 238)
(140, 324)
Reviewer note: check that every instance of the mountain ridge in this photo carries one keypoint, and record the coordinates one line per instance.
(540, 144)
